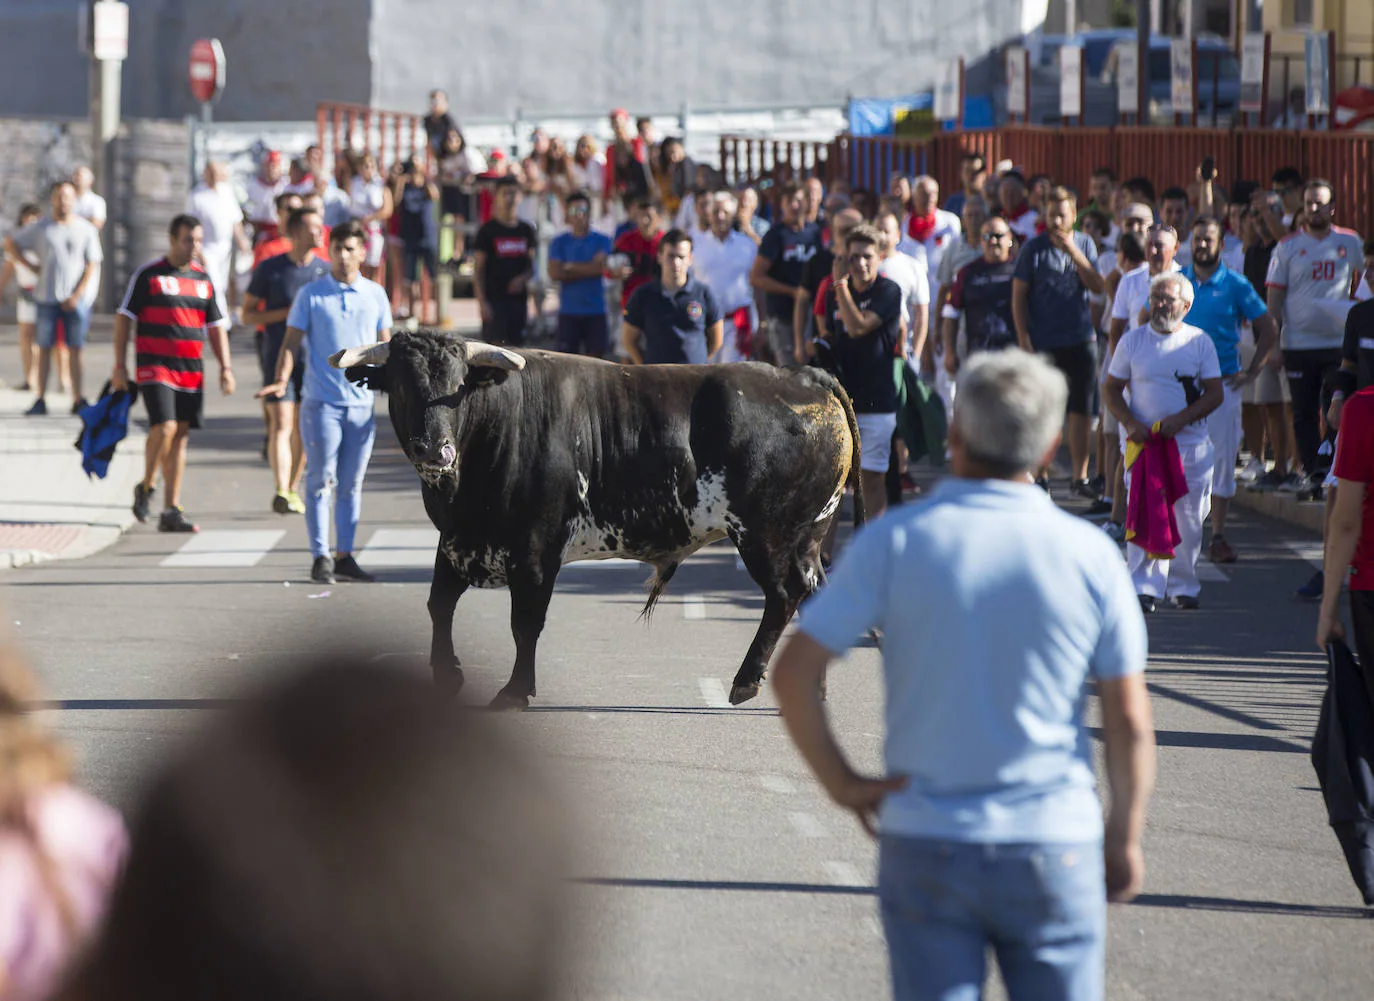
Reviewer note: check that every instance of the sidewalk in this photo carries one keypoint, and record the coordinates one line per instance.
(49, 508)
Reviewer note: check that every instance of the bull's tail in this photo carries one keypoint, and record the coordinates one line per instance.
(855, 480)
(657, 584)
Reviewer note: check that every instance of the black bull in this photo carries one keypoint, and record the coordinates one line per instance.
(530, 460)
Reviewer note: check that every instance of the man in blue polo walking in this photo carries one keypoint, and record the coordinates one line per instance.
(341, 310)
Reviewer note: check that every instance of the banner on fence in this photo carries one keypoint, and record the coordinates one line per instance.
(1319, 72)
(949, 91)
(1127, 78)
(1181, 76)
(1253, 49)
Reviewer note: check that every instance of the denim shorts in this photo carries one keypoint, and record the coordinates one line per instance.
(75, 323)
(1041, 908)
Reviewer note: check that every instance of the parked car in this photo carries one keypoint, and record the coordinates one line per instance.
(1217, 72)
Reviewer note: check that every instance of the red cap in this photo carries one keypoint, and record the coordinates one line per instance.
(497, 154)
(619, 113)
(274, 156)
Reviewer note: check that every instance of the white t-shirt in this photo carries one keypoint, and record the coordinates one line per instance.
(261, 207)
(1026, 224)
(723, 266)
(1233, 253)
(91, 207)
(1165, 374)
(1319, 276)
(948, 229)
(1133, 294)
(1183, 256)
(218, 210)
(910, 276)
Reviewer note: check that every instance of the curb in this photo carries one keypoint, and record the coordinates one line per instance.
(1284, 507)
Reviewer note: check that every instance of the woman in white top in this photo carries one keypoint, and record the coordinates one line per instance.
(25, 308)
(588, 171)
(371, 205)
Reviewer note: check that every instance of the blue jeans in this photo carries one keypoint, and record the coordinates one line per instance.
(338, 443)
(1041, 907)
(75, 322)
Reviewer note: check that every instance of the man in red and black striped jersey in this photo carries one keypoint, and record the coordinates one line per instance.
(172, 302)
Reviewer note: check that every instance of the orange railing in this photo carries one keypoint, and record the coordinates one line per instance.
(1168, 156)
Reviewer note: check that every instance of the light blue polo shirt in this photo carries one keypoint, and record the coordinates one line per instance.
(335, 316)
(996, 609)
(1219, 303)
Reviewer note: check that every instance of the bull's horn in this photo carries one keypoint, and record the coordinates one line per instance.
(373, 354)
(480, 353)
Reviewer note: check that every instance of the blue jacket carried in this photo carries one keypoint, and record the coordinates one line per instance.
(104, 425)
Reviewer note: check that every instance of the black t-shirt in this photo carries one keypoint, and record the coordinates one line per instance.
(417, 226)
(788, 250)
(1359, 342)
(865, 363)
(277, 280)
(983, 291)
(1256, 267)
(508, 250)
(816, 269)
(436, 128)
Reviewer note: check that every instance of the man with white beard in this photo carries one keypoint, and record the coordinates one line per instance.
(722, 260)
(214, 203)
(1174, 378)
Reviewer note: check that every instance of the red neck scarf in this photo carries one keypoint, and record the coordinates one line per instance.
(921, 226)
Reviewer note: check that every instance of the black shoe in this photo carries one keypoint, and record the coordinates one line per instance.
(1187, 602)
(281, 504)
(1147, 603)
(1098, 508)
(80, 404)
(1043, 482)
(174, 520)
(142, 497)
(322, 571)
(39, 408)
(347, 568)
(1099, 484)
(1084, 488)
(1312, 590)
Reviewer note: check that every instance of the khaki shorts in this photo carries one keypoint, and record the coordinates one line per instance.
(1270, 387)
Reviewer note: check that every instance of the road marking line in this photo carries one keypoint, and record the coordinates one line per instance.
(614, 561)
(693, 606)
(807, 825)
(875, 926)
(401, 547)
(225, 548)
(739, 563)
(713, 693)
(778, 784)
(844, 874)
(1309, 552)
(1211, 573)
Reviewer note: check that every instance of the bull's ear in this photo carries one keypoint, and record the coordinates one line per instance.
(483, 355)
(367, 376)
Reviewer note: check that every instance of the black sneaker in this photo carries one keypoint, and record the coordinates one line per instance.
(1147, 603)
(1187, 602)
(347, 568)
(281, 503)
(81, 404)
(1312, 590)
(142, 498)
(174, 520)
(1043, 482)
(39, 408)
(1099, 484)
(1098, 508)
(1268, 483)
(322, 570)
(1084, 488)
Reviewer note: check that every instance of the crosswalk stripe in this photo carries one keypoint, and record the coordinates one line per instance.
(1210, 572)
(1309, 552)
(225, 548)
(400, 547)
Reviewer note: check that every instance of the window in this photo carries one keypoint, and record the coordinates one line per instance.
(1302, 13)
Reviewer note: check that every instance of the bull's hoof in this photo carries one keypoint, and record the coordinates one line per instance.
(743, 693)
(505, 701)
(449, 681)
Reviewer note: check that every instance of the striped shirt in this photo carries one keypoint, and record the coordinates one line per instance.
(172, 307)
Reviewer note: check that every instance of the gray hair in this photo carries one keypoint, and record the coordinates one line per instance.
(1185, 287)
(725, 198)
(1009, 407)
(922, 179)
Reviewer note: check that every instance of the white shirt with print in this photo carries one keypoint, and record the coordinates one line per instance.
(1164, 373)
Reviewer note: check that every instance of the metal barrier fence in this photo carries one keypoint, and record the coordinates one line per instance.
(1166, 156)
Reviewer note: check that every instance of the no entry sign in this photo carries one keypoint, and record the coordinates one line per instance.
(206, 70)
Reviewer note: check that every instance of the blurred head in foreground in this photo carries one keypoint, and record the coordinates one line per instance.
(341, 836)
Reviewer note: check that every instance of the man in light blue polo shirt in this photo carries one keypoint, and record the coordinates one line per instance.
(341, 310)
(996, 610)
(1222, 298)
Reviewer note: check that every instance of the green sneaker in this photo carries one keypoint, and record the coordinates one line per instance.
(294, 503)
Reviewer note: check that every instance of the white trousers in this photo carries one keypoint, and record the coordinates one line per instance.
(1178, 576)
(1223, 428)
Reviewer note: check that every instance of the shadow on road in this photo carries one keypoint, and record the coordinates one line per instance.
(1251, 906)
(746, 887)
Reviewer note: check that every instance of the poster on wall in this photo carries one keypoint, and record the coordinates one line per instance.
(1181, 76)
(1018, 101)
(1319, 73)
(947, 91)
(1252, 54)
(1127, 78)
(1070, 82)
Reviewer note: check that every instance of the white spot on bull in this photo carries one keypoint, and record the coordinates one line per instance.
(582, 485)
(593, 536)
(832, 505)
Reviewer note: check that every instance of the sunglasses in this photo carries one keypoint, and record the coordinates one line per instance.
(996, 237)
(577, 210)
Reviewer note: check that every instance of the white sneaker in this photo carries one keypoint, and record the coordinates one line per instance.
(1253, 470)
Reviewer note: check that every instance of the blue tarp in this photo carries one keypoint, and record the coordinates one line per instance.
(876, 116)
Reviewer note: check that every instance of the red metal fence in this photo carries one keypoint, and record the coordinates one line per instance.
(1166, 156)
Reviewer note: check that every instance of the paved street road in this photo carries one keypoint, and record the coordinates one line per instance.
(716, 869)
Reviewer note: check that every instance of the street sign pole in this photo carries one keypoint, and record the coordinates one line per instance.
(107, 33)
(205, 72)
